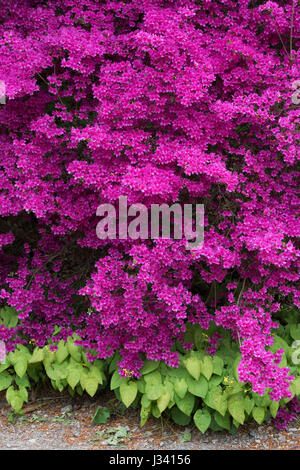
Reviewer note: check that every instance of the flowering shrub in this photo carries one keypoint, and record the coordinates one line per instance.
(162, 101)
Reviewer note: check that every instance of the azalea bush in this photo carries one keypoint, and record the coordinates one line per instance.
(161, 101)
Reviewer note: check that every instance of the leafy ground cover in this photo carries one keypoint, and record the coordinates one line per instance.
(204, 389)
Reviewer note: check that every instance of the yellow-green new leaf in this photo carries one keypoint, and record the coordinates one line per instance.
(153, 391)
(74, 350)
(37, 356)
(219, 401)
(202, 420)
(163, 401)
(128, 392)
(145, 413)
(116, 380)
(5, 380)
(21, 366)
(186, 404)
(207, 367)
(259, 414)
(62, 352)
(236, 408)
(91, 385)
(73, 377)
(180, 387)
(193, 367)
(274, 406)
(96, 373)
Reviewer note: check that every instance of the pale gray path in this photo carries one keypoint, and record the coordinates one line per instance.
(64, 424)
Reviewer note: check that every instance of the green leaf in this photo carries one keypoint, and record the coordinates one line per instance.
(235, 423)
(263, 401)
(177, 373)
(259, 414)
(22, 382)
(222, 421)
(214, 381)
(5, 365)
(218, 365)
(153, 378)
(23, 393)
(9, 394)
(295, 331)
(202, 420)
(208, 399)
(74, 350)
(180, 387)
(5, 380)
(219, 401)
(180, 418)
(17, 403)
(155, 411)
(62, 352)
(235, 366)
(37, 356)
(296, 384)
(21, 366)
(207, 367)
(101, 415)
(186, 404)
(144, 414)
(249, 404)
(91, 385)
(153, 387)
(22, 350)
(83, 377)
(236, 407)
(198, 387)
(279, 343)
(168, 385)
(186, 437)
(234, 389)
(73, 377)
(116, 380)
(128, 392)
(149, 366)
(164, 400)
(193, 367)
(141, 385)
(145, 402)
(35, 372)
(274, 406)
(51, 373)
(49, 357)
(60, 370)
(14, 399)
(153, 391)
(114, 363)
(96, 373)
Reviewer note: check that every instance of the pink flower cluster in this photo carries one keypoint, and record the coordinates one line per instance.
(287, 414)
(161, 101)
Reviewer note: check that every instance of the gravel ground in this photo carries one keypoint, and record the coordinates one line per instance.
(59, 422)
